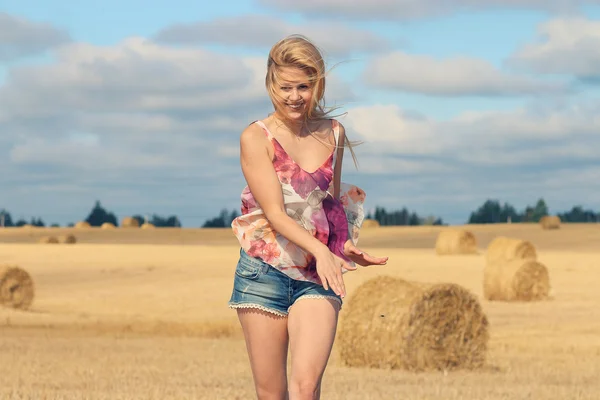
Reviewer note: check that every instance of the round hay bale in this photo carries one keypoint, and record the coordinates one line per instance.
(16, 287)
(49, 240)
(550, 222)
(516, 280)
(27, 226)
(455, 241)
(130, 222)
(68, 239)
(370, 223)
(503, 249)
(395, 324)
(82, 224)
(107, 225)
(147, 225)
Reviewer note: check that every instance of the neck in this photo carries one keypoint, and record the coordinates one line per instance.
(295, 127)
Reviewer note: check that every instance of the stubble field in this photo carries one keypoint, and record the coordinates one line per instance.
(132, 314)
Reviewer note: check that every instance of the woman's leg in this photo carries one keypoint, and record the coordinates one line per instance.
(267, 344)
(312, 324)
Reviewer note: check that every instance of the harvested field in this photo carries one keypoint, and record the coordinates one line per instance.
(581, 237)
(142, 314)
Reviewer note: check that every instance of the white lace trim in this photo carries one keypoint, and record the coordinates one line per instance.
(259, 307)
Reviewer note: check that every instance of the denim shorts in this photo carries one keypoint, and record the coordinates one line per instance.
(261, 286)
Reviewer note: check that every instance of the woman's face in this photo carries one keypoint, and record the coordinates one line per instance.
(294, 94)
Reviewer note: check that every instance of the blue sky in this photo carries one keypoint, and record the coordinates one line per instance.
(141, 106)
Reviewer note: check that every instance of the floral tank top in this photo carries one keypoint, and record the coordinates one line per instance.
(308, 199)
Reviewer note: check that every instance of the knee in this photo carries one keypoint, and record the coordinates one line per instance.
(305, 387)
(271, 392)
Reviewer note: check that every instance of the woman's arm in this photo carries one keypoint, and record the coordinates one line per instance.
(337, 171)
(350, 250)
(264, 184)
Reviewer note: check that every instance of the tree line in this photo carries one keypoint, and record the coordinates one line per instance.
(490, 212)
(96, 217)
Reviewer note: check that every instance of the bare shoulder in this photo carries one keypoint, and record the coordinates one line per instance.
(253, 137)
(341, 129)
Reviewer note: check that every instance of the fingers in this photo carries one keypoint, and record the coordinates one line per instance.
(339, 281)
(376, 260)
(349, 267)
(356, 251)
(333, 279)
(369, 258)
(324, 282)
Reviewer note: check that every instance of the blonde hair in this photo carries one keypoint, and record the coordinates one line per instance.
(297, 51)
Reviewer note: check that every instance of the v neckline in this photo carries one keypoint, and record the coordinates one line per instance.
(290, 157)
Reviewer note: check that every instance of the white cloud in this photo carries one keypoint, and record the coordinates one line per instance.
(135, 75)
(136, 111)
(519, 137)
(264, 31)
(387, 125)
(142, 124)
(564, 46)
(411, 9)
(137, 123)
(20, 37)
(458, 76)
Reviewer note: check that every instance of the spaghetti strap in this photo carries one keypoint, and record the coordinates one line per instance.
(265, 129)
(336, 136)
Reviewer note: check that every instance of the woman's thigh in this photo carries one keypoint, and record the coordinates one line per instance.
(266, 338)
(312, 324)
(261, 296)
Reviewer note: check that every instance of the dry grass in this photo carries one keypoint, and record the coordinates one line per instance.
(49, 240)
(370, 223)
(17, 289)
(550, 222)
(456, 241)
(68, 239)
(395, 324)
(130, 222)
(148, 321)
(512, 272)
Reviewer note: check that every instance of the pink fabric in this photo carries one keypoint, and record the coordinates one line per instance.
(309, 201)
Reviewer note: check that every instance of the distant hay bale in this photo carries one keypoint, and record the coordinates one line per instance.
(130, 222)
(147, 225)
(27, 226)
(394, 324)
(503, 249)
(370, 223)
(49, 240)
(107, 225)
(16, 287)
(68, 239)
(82, 224)
(456, 241)
(550, 222)
(516, 280)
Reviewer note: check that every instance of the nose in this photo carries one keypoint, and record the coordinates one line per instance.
(294, 95)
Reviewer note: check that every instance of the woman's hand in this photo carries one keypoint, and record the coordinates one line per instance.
(360, 257)
(329, 269)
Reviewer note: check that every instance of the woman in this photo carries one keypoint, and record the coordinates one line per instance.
(297, 229)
